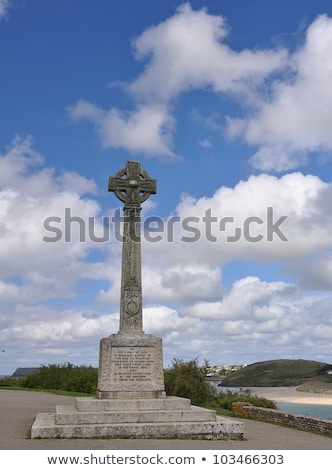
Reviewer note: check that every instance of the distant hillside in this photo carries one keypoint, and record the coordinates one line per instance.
(25, 371)
(278, 373)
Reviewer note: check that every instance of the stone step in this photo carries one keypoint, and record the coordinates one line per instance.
(94, 404)
(45, 426)
(68, 414)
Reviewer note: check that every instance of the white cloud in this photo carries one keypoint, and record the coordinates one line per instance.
(183, 53)
(189, 44)
(182, 284)
(36, 277)
(39, 334)
(249, 298)
(185, 301)
(205, 230)
(205, 143)
(148, 129)
(315, 273)
(4, 7)
(23, 168)
(286, 123)
(30, 193)
(295, 119)
(256, 319)
(164, 321)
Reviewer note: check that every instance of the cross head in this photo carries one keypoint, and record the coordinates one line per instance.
(132, 185)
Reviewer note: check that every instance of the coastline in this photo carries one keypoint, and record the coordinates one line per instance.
(292, 395)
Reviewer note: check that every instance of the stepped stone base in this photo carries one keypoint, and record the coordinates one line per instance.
(171, 417)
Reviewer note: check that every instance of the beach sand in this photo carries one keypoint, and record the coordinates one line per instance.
(291, 395)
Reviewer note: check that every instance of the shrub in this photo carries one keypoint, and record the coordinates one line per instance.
(226, 399)
(67, 377)
(188, 380)
(12, 382)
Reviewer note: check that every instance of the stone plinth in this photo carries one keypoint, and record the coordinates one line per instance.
(171, 417)
(130, 366)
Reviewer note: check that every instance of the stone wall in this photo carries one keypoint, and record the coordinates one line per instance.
(302, 422)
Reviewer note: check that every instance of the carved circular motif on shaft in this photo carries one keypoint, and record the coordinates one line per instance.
(132, 308)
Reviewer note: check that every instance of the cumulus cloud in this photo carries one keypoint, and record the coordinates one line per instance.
(147, 129)
(190, 45)
(285, 124)
(249, 298)
(185, 52)
(264, 219)
(22, 167)
(185, 299)
(188, 300)
(294, 120)
(30, 194)
(183, 283)
(35, 276)
(41, 334)
(255, 319)
(4, 7)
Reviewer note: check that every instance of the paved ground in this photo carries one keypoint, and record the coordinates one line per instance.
(19, 408)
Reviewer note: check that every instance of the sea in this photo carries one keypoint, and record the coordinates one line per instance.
(317, 411)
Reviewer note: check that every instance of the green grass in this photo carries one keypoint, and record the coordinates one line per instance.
(220, 411)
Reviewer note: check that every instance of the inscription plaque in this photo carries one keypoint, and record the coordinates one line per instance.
(132, 364)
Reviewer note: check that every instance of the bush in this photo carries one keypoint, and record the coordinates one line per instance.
(188, 380)
(226, 399)
(11, 382)
(67, 377)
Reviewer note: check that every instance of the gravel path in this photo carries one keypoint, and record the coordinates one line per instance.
(19, 408)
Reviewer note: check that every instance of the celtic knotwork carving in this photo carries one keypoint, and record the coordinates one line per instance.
(132, 185)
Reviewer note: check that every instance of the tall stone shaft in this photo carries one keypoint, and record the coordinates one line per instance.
(132, 185)
(131, 318)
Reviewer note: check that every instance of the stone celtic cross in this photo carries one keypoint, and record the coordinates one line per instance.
(131, 185)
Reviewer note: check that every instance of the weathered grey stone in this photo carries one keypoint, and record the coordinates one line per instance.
(169, 403)
(131, 362)
(132, 185)
(170, 417)
(131, 367)
(131, 400)
(67, 414)
(222, 428)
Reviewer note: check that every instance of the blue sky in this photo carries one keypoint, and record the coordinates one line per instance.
(228, 105)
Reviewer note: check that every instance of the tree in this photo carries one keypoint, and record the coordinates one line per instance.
(188, 380)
